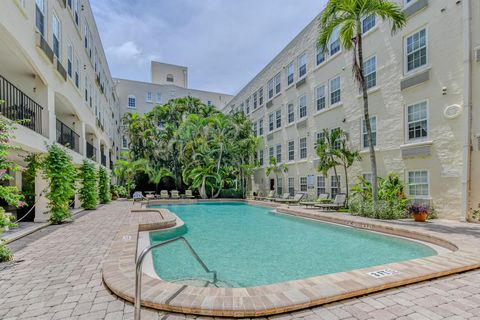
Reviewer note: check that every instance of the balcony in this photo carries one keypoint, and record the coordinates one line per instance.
(18, 106)
(91, 152)
(67, 137)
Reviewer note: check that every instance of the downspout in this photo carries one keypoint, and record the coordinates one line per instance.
(467, 85)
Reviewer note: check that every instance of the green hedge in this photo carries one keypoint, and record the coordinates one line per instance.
(104, 186)
(88, 191)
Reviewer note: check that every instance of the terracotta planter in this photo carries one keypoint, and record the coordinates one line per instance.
(420, 217)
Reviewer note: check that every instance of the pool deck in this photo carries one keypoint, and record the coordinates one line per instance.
(461, 240)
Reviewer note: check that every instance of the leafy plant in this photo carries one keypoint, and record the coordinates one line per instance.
(118, 191)
(59, 171)
(126, 169)
(5, 253)
(416, 208)
(276, 168)
(34, 162)
(88, 191)
(344, 17)
(104, 185)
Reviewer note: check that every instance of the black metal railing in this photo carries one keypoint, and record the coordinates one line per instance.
(67, 137)
(91, 152)
(61, 70)
(104, 160)
(18, 106)
(43, 44)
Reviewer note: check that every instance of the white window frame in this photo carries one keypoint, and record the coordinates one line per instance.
(373, 119)
(149, 97)
(410, 184)
(260, 157)
(374, 72)
(271, 122)
(134, 99)
(303, 184)
(405, 51)
(70, 71)
(302, 62)
(290, 71)
(302, 108)
(319, 185)
(277, 82)
(407, 135)
(290, 113)
(278, 118)
(336, 33)
(291, 185)
(271, 89)
(300, 148)
(158, 98)
(260, 96)
(330, 87)
(338, 185)
(318, 98)
(260, 127)
(372, 27)
(56, 35)
(320, 51)
(278, 153)
(291, 150)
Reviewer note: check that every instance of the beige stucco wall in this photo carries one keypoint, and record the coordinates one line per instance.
(443, 21)
(159, 72)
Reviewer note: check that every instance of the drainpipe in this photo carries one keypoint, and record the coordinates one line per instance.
(467, 85)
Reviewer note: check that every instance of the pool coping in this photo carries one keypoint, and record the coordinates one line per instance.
(119, 269)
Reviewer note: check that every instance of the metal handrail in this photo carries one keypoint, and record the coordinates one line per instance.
(138, 270)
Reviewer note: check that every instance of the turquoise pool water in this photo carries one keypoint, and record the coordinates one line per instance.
(250, 246)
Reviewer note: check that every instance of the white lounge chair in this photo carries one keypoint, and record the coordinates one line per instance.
(175, 194)
(137, 196)
(164, 194)
(321, 197)
(339, 202)
(189, 195)
(296, 199)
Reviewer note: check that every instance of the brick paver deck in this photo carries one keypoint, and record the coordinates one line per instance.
(60, 278)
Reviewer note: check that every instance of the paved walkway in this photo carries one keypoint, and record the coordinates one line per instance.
(58, 276)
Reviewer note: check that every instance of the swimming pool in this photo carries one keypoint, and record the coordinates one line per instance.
(251, 245)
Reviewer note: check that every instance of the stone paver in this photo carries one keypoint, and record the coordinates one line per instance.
(60, 278)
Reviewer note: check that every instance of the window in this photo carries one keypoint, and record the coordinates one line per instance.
(416, 50)
(291, 150)
(280, 186)
(77, 72)
(302, 65)
(260, 127)
(321, 185)
(303, 184)
(417, 119)
(69, 3)
(255, 101)
(290, 74)
(76, 9)
(270, 89)
(56, 36)
(260, 96)
(320, 98)
(170, 78)
(209, 103)
(254, 129)
(338, 143)
(320, 55)
(132, 102)
(277, 83)
(303, 148)
(335, 91)
(320, 137)
(278, 118)
(368, 23)
(40, 16)
(149, 97)
(159, 97)
(124, 142)
(302, 106)
(290, 113)
(291, 186)
(85, 36)
(278, 155)
(270, 122)
(270, 153)
(373, 125)
(334, 43)
(370, 68)
(69, 60)
(335, 186)
(86, 89)
(418, 183)
(260, 157)
(247, 106)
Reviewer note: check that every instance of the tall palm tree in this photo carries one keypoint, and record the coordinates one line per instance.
(327, 153)
(346, 16)
(346, 157)
(276, 169)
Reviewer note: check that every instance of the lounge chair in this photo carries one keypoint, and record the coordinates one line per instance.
(164, 194)
(150, 196)
(189, 195)
(271, 196)
(138, 196)
(295, 200)
(338, 203)
(321, 197)
(175, 194)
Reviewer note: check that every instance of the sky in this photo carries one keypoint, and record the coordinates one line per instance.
(224, 43)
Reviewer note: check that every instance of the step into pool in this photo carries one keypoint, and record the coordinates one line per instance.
(252, 245)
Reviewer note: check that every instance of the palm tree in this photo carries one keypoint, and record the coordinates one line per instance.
(346, 157)
(126, 170)
(327, 153)
(346, 16)
(276, 169)
(155, 175)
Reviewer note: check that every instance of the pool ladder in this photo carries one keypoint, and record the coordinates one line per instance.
(138, 269)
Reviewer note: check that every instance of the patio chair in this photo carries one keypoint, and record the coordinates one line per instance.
(189, 195)
(175, 194)
(260, 196)
(284, 196)
(295, 200)
(138, 196)
(164, 194)
(321, 197)
(150, 196)
(338, 203)
(271, 196)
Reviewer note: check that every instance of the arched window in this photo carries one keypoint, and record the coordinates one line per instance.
(169, 77)
(132, 102)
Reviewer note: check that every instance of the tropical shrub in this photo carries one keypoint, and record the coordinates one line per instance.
(118, 191)
(8, 193)
(88, 191)
(59, 171)
(104, 185)
(231, 194)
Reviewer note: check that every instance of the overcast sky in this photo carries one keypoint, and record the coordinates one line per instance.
(224, 43)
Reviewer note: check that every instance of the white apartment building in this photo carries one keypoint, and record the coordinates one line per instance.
(53, 71)
(167, 82)
(423, 104)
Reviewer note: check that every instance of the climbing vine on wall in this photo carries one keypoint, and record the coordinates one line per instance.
(59, 171)
(88, 190)
(104, 185)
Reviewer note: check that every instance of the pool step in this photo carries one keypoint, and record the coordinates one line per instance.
(203, 283)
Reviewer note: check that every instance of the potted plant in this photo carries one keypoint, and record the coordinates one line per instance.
(419, 212)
